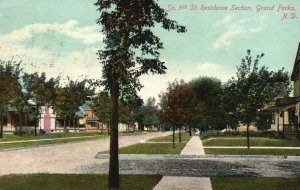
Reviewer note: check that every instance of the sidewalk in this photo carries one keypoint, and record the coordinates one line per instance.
(193, 147)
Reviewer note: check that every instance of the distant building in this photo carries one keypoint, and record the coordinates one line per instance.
(47, 120)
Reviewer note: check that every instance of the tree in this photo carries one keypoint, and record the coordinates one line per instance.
(208, 109)
(101, 105)
(229, 103)
(10, 88)
(147, 114)
(255, 89)
(41, 90)
(131, 49)
(70, 97)
(175, 106)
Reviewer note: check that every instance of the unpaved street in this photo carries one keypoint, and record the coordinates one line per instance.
(62, 158)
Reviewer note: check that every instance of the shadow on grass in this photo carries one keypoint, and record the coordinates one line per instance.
(75, 182)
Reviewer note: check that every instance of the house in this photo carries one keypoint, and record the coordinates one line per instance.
(87, 118)
(287, 116)
(46, 121)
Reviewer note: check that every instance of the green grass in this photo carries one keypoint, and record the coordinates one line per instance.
(75, 182)
(255, 183)
(184, 137)
(55, 138)
(151, 148)
(265, 134)
(251, 151)
(253, 142)
(47, 142)
(45, 136)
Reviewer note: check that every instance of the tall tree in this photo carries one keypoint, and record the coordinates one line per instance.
(101, 105)
(131, 49)
(69, 97)
(10, 87)
(255, 89)
(41, 90)
(147, 114)
(208, 103)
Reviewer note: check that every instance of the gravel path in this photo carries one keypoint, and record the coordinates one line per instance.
(204, 166)
(63, 158)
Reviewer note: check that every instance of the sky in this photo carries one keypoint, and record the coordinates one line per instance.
(62, 38)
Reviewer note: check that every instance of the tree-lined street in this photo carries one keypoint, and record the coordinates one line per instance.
(64, 158)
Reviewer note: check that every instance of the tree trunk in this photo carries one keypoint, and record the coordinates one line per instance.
(1, 126)
(180, 134)
(65, 127)
(36, 121)
(108, 128)
(173, 137)
(26, 123)
(113, 180)
(248, 138)
(278, 123)
(20, 123)
(190, 130)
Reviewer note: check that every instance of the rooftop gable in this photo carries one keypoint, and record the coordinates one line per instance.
(296, 69)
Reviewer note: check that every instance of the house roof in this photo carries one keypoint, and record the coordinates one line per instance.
(86, 106)
(288, 101)
(296, 69)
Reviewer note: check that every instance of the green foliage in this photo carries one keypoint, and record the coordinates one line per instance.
(11, 90)
(127, 27)
(41, 90)
(255, 88)
(101, 105)
(146, 115)
(70, 97)
(175, 103)
(208, 110)
(131, 50)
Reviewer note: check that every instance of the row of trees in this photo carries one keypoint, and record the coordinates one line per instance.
(206, 103)
(26, 93)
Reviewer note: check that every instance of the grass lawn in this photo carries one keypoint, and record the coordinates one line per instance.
(255, 183)
(46, 136)
(184, 137)
(253, 142)
(245, 151)
(75, 182)
(55, 138)
(151, 148)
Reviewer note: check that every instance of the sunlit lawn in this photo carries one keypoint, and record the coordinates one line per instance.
(253, 142)
(252, 151)
(75, 182)
(54, 138)
(184, 137)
